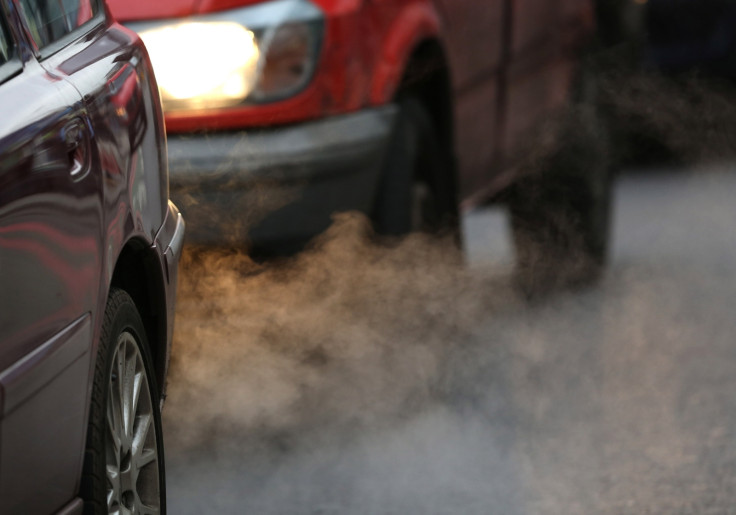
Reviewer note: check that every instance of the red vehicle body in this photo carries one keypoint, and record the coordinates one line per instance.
(479, 75)
(86, 232)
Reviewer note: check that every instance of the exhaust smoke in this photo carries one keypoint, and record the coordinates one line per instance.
(348, 331)
(374, 377)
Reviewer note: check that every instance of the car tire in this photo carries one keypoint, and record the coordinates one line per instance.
(561, 215)
(124, 458)
(416, 190)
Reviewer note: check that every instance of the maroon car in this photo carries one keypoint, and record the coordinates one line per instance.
(89, 250)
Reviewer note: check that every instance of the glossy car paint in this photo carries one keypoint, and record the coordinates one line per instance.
(83, 206)
(510, 62)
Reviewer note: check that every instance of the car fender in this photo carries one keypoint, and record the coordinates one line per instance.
(415, 23)
(340, 7)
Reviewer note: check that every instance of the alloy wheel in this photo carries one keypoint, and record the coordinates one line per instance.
(131, 455)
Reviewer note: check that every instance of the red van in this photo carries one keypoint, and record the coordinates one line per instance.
(282, 112)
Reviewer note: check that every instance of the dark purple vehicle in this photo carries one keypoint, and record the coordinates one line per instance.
(89, 250)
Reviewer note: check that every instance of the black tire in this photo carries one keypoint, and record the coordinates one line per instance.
(122, 357)
(416, 190)
(561, 213)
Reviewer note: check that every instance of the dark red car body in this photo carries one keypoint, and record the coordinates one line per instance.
(83, 208)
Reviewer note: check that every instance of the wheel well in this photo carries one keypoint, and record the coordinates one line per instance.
(137, 271)
(427, 78)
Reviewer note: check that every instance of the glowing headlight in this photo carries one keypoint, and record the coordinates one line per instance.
(194, 67)
(255, 54)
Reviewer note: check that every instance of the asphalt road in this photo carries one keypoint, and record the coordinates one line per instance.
(364, 380)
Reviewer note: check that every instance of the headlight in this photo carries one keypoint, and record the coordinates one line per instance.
(191, 74)
(256, 54)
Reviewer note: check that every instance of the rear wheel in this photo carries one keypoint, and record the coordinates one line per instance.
(416, 192)
(124, 460)
(560, 216)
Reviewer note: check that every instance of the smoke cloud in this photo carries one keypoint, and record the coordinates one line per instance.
(370, 376)
(349, 331)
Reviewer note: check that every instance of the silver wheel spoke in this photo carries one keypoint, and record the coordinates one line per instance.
(136, 383)
(113, 419)
(121, 390)
(111, 498)
(113, 493)
(146, 457)
(113, 474)
(147, 510)
(131, 387)
(128, 371)
(141, 432)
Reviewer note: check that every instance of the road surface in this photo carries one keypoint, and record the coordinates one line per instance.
(365, 380)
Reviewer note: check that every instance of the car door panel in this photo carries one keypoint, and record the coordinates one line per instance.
(476, 121)
(106, 67)
(474, 38)
(50, 265)
(43, 402)
(542, 65)
(475, 42)
(49, 258)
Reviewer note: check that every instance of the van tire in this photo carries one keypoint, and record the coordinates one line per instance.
(560, 214)
(415, 190)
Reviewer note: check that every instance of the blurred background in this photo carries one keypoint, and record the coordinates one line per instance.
(409, 377)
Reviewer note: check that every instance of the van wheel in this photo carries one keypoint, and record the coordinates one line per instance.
(561, 215)
(416, 191)
(124, 459)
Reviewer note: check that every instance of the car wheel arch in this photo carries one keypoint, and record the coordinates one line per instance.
(414, 24)
(139, 272)
(426, 77)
